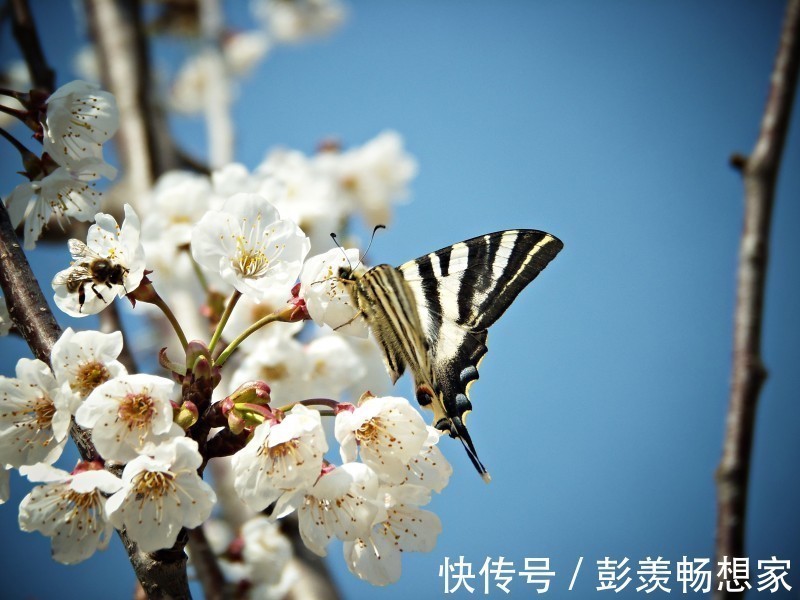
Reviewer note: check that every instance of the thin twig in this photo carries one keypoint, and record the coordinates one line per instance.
(760, 174)
(42, 76)
(224, 320)
(173, 320)
(283, 315)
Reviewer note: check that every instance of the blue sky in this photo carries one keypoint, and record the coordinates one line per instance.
(601, 403)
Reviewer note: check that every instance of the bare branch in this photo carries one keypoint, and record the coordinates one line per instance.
(760, 174)
(42, 76)
(27, 305)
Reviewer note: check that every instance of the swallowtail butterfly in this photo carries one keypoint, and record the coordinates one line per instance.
(432, 314)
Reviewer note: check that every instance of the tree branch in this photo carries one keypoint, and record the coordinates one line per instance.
(27, 305)
(42, 76)
(760, 174)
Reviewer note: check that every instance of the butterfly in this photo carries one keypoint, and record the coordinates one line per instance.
(432, 314)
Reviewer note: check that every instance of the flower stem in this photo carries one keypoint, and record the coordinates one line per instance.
(159, 302)
(332, 404)
(283, 315)
(224, 320)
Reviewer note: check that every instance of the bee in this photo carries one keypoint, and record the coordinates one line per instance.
(92, 269)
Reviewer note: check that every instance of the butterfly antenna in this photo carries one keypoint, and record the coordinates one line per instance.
(339, 246)
(371, 239)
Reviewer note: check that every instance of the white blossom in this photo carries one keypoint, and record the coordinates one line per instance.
(250, 246)
(5, 318)
(86, 359)
(334, 366)
(64, 192)
(404, 527)
(162, 493)
(343, 503)
(188, 90)
(266, 551)
(80, 119)
(281, 363)
(299, 20)
(243, 50)
(374, 378)
(280, 457)
(178, 200)
(311, 197)
(290, 576)
(326, 294)
(234, 178)
(34, 416)
(387, 432)
(70, 509)
(127, 413)
(85, 63)
(119, 247)
(373, 176)
(429, 468)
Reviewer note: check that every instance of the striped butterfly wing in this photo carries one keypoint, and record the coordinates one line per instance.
(460, 291)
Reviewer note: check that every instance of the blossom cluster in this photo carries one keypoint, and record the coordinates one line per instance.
(236, 256)
(73, 124)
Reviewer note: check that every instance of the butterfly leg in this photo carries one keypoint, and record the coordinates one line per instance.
(346, 323)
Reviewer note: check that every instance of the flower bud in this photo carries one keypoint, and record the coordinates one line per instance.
(251, 392)
(187, 415)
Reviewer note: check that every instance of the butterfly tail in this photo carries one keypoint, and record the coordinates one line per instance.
(459, 430)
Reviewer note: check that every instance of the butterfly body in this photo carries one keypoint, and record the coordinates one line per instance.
(431, 315)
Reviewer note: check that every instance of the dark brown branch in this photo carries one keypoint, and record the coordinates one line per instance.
(42, 76)
(760, 174)
(162, 574)
(27, 305)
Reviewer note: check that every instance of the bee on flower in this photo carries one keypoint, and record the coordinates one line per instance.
(110, 263)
